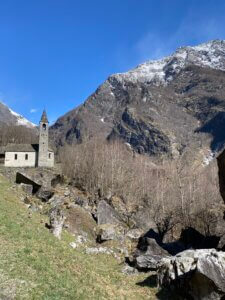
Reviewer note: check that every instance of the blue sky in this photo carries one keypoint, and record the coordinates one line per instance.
(55, 53)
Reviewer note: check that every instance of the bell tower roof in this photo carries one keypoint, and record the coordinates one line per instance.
(44, 118)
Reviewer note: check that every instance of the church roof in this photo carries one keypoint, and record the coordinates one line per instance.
(23, 148)
(44, 118)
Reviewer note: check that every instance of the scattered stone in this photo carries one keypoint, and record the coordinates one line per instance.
(82, 201)
(99, 250)
(128, 270)
(134, 234)
(67, 193)
(27, 188)
(33, 207)
(26, 200)
(81, 239)
(57, 220)
(44, 194)
(56, 201)
(73, 245)
(199, 274)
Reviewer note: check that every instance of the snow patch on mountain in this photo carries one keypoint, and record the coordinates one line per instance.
(21, 120)
(208, 158)
(210, 54)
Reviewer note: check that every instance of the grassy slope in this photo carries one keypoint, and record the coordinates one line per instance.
(35, 265)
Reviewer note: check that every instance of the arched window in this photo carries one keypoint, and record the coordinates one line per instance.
(44, 126)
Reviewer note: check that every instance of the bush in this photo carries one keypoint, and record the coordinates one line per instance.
(174, 194)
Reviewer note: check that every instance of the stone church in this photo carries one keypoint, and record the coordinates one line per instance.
(31, 155)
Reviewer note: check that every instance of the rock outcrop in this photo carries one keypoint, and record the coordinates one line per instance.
(57, 219)
(149, 259)
(197, 274)
(106, 214)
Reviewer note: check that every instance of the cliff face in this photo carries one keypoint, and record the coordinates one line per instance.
(160, 108)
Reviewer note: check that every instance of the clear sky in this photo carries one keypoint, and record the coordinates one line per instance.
(55, 53)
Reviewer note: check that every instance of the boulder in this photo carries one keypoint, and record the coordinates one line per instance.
(56, 200)
(57, 220)
(27, 188)
(80, 222)
(44, 194)
(134, 234)
(149, 259)
(39, 178)
(106, 214)
(199, 274)
(107, 232)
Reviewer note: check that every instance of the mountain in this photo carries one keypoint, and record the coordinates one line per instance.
(161, 107)
(9, 117)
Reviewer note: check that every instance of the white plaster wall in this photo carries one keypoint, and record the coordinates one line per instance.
(20, 162)
(47, 162)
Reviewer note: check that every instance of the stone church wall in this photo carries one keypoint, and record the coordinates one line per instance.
(21, 160)
(50, 160)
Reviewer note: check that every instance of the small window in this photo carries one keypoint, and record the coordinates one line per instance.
(49, 155)
(16, 156)
(26, 156)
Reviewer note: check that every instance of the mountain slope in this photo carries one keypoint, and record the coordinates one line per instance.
(9, 117)
(36, 265)
(160, 107)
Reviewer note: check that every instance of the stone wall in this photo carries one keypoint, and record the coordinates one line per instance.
(43, 145)
(50, 160)
(21, 160)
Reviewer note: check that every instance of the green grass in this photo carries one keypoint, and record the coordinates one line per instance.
(35, 265)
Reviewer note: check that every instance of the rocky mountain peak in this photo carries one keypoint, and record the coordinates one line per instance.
(162, 107)
(162, 71)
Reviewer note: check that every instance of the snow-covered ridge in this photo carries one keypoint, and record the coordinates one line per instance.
(210, 54)
(21, 120)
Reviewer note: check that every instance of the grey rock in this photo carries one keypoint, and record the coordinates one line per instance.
(57, 220)
(27, 188)
(67, 193)
(106, 214)
(100, 250)
(38, 177)
(222, 243)
(34, 208)
(150, 259)
(44, 194)
(73, 245)
(107, 232)
(128, 270)
(199, 274)
(134, 234)
(56, 200)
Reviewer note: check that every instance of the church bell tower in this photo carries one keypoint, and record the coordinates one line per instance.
(43, 141)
